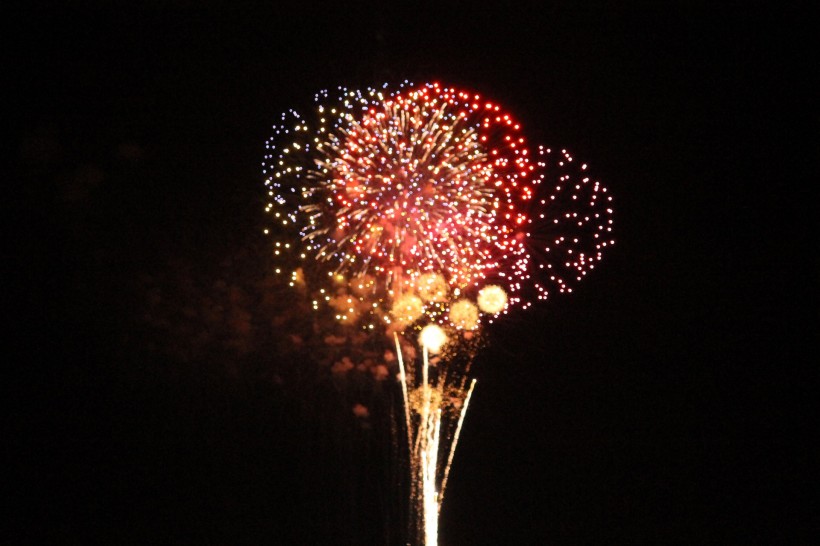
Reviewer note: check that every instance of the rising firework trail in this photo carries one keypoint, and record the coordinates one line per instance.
(431, 407)
(418, 214)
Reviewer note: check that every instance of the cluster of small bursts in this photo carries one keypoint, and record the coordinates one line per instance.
(424, 207)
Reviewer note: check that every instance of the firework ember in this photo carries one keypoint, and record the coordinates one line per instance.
(421, 213)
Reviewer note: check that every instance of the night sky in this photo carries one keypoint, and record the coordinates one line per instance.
(667, 401)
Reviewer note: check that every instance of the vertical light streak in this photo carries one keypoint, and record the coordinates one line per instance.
(455, 441)
(431, 500)
(403, 381)
(430, 401)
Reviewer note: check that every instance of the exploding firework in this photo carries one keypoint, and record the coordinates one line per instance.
(422, 180)
(433, 192)
(417, 214)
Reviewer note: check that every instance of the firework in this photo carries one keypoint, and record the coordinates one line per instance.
(417, 214)
(434, 414)
(433, 192)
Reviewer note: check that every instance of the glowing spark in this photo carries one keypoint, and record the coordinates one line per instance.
(492, 299)
(407, 308)
(464, 315)
(432, 338)
(432, 287)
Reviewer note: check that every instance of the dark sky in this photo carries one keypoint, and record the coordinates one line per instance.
(667, 401)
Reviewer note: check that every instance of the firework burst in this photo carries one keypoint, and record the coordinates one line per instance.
(429, 182)
(417, 214)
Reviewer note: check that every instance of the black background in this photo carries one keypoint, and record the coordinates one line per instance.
(667, 401)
